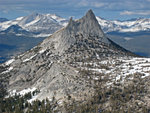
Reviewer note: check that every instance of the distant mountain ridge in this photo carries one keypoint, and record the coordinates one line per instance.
(3, 19)
(132, 25)
(16, 30)
(132, 34)
(46, 24)
(41, 25)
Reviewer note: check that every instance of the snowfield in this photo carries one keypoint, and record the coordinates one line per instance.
(9, 61)
(28, 59)
(23, 92)
(42, 51)
(8, 70)
(119, 69)
(37, 20)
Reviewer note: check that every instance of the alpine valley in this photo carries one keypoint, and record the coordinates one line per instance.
(77, 69)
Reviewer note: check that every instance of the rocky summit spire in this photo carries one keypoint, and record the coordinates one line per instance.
(90, 15)
(88, 24)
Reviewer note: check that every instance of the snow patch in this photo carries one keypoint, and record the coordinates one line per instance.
(29, 58)
(9, 69)
(119, 69)
(33, 99)
(42, 51)
(33, 22)
(146, 75)
(19, 18)
(25, 91)
(22, 93)
(128, 38)
(9, 62)
(60, 102)
(96, 78)
(42, 35)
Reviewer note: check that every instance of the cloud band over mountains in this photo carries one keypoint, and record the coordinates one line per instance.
(135, 13)
(113, 8)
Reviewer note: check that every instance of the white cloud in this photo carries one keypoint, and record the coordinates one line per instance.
(5, 11)
(127, 13)
(135, 13)
(96, 4)
(85, 3)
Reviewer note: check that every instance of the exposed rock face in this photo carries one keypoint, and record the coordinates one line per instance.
(86, 25)
(53, 66)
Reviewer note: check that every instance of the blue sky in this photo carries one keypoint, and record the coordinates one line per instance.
(109, 9)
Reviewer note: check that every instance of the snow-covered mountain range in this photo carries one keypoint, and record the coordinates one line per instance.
(3, 19)
(131, 34)
(41, 25)
(45, 24)
(133, 25)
